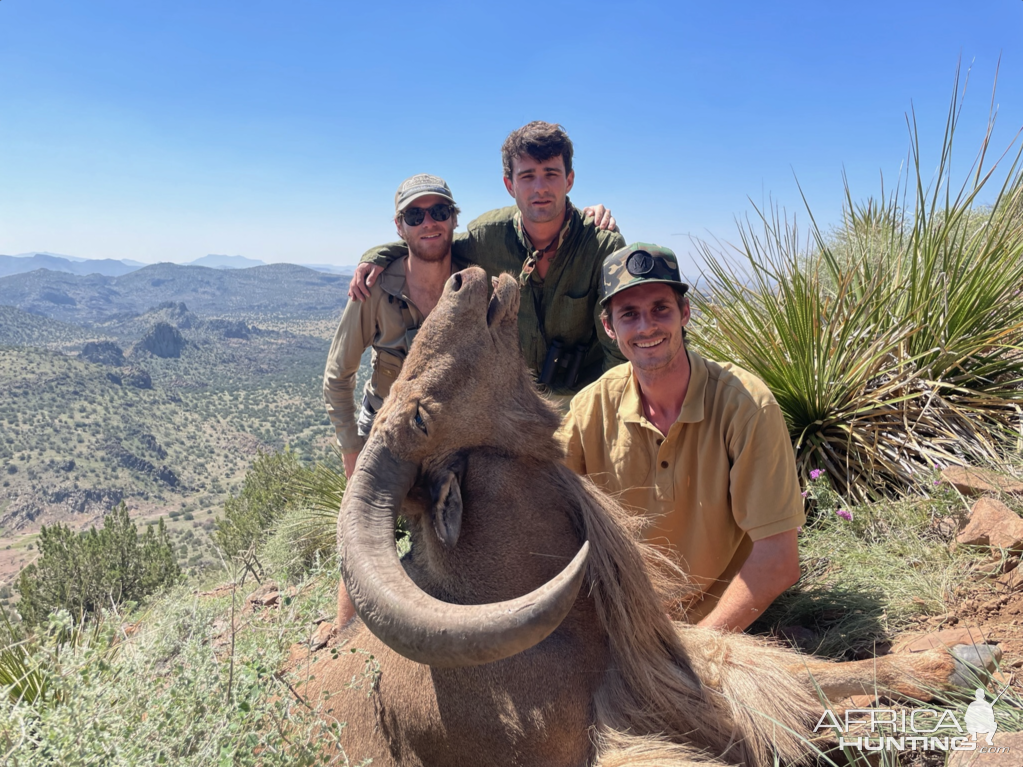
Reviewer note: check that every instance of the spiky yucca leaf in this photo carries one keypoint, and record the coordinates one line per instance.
(896, 352)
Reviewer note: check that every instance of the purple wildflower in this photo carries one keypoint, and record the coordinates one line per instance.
(803, 494)
(846, 515)
(816, 473)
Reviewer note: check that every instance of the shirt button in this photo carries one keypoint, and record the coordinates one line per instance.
(664, 464)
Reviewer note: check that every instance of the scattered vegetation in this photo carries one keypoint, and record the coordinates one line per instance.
(182, 689)
(84, 573)
(892, 344)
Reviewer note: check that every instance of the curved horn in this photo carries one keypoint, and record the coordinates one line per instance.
(403, 616)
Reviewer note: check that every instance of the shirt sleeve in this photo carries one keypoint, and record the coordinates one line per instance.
(383, 255)
(463, 248)
(355, 332)
(763, 482)
(571, 439)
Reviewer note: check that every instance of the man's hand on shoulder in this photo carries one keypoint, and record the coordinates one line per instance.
(602, 217)
(365, 276)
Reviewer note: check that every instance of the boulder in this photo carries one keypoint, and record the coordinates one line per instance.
(971, 481)
(966, 634)
(993, 524)
(1012, 580)
(266, 595)
(321, 636)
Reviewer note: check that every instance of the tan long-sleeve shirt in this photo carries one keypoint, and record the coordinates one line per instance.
(386, 321)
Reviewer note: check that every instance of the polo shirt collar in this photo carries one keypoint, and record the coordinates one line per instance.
(631, 407)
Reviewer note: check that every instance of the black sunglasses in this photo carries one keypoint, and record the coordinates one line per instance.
(439, 212)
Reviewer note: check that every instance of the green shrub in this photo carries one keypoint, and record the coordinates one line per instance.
(263, 498)
(179, 691)
(88, 572)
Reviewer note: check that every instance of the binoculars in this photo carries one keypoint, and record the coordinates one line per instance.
(561, 367)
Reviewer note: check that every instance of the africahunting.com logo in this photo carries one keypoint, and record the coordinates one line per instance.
(923, 729)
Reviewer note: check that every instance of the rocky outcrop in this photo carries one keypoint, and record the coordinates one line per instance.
(137, 377)
(149, 443)
(971, 481)
(230, 328)
(130, 461)
(58, 503)
(172, 312)
(993, 524)
(162, 340)
(103, 353)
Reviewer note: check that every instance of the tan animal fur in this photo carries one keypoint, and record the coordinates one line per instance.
(617, 682)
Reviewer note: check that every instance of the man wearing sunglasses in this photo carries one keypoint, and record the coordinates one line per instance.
(700, 448)
(425, 216)
(554, 250)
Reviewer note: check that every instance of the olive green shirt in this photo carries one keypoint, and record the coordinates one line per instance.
(564, 305)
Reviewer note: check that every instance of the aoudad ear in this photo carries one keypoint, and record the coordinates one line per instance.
(447, 503)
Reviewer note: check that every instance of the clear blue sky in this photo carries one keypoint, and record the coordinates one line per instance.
(279, 131)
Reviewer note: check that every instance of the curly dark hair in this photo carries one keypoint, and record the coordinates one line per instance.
(541, 141)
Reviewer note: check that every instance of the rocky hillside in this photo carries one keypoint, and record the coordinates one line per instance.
(276, 290)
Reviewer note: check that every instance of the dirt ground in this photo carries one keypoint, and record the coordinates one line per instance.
(996, 610)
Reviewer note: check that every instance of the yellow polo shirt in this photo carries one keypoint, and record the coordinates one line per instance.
(722, 477)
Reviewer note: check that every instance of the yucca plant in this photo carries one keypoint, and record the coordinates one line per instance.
(19, 677)
(317, 493)
(894, 347)
(311, 529)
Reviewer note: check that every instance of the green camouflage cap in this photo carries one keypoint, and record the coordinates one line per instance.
(635, 264)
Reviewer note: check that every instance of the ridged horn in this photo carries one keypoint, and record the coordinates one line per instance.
(403, 616)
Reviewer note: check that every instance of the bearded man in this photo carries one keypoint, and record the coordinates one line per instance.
(425, 215)
(555, 249)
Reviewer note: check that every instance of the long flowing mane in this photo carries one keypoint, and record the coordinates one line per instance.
(670, 683)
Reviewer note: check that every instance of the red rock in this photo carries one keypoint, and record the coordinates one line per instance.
(1006, 750)
(994, 524)
(861, 701)
(321, 636)
(970, 481)
(1012, 580)
(260, 595)
(968, 634)
(297, 653)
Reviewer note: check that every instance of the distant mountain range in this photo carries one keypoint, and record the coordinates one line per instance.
(273, 290)
(109, 267)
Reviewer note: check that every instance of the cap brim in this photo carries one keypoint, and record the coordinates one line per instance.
(683, 286)
(420, 195)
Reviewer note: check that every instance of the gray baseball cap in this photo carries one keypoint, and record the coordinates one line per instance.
(420, 185)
